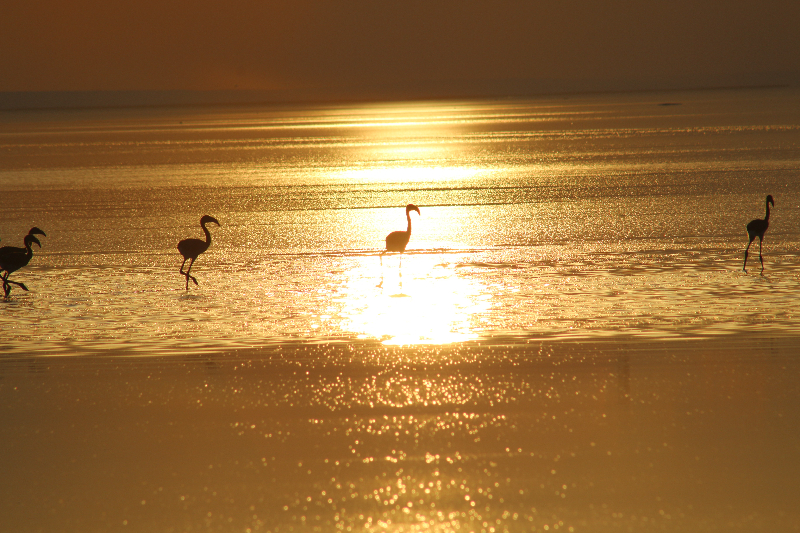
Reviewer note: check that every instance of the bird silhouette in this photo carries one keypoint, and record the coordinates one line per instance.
(757, 228)
(191, 248)
(13, 258)
(397, 241)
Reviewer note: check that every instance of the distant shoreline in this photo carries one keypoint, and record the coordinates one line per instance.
(76, 100)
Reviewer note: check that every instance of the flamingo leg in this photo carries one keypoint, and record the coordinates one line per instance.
(400, 272)
(745, 252)
(7, 285)
(760, 242)
(184, 273)
(380, 285)
(188, 276)
(18, 284)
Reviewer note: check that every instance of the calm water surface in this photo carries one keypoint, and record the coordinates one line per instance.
(569, 343)
(539, 219)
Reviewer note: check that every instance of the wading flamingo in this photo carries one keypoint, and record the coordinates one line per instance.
(191, 248)
(757, 228)
(13, 258)
(397, 241)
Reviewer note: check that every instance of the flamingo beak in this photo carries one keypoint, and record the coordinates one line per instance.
(34, 239)
(37, 231)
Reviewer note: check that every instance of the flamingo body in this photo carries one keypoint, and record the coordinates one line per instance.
(13, 258)
(191, 248)
(757, 228)
(397, 241)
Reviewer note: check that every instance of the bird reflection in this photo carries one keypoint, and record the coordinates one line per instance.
(191, 248)
(397, 241)
(13, 258)
(757, 228)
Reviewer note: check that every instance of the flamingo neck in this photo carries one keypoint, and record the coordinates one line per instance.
(208, 234)
(767, 217)
(408, 217)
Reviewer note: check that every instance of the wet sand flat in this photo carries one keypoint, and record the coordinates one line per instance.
(697, 435)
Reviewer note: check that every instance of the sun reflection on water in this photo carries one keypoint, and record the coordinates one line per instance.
(416, 300)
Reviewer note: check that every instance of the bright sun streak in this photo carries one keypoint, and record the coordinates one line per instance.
(420, 302)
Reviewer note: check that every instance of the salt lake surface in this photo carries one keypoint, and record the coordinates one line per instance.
(563, 217)
(568, 343)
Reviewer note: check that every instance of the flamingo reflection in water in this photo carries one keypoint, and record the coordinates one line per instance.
(191, 248)
(757, 228)
(13, 258)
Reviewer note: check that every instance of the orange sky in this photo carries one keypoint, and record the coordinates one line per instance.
(397, 48)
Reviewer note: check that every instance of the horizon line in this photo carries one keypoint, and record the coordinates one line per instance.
(154, 98)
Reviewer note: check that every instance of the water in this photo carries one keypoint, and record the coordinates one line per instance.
(568, 344)
(587, 217)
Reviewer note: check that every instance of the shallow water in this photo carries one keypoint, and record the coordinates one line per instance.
(551, 218)
(569, 343)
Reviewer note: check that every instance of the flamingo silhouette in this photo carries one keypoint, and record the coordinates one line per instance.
(13, 258)
(397, 241)
(191, 248)
(757, 228)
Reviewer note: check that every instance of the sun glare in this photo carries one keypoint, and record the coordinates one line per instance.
(421, 301)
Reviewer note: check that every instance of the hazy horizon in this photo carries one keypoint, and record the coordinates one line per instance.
(303, 51)
(54, 100)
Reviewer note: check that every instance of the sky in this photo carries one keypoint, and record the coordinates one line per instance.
(396, 49)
